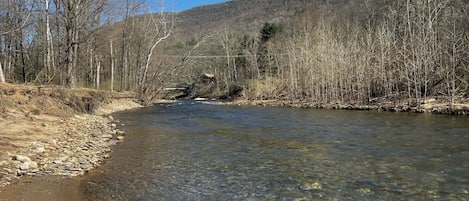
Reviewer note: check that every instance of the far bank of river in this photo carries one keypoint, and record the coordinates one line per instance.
(434, 105)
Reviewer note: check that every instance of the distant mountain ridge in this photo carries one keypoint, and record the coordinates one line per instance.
(239, 16)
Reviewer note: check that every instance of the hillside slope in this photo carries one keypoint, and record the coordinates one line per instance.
(245, 16)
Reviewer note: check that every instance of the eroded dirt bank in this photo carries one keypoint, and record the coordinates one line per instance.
(56, 131)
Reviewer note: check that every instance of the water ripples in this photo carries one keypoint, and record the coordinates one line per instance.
(190, 151)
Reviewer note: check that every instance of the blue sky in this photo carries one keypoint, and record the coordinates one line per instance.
(180, 5)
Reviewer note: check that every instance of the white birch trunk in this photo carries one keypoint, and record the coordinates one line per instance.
(150, 54)
(50, 66)
(2, 77)
(98, 69)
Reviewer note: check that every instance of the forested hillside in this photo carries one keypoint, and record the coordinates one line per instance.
(357, 52)
(240, 16)
(317, 51)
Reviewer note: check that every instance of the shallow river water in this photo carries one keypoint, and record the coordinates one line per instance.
(194, 151)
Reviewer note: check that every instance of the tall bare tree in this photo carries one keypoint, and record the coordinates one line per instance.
(162, 26)
(2, 76)
(78, 15)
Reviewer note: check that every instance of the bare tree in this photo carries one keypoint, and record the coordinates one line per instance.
(112, 65)
(162, 26)
(13, 24)
(49, 62)
(78, 15)
(2, 76)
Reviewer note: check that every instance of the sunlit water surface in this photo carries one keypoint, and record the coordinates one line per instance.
(194, 151)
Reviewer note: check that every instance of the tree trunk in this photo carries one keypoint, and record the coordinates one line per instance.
(98, 69)
(72, 22)
(125, 47)
(49, 63)
(112, 66)
(147, 64)
(2, 76)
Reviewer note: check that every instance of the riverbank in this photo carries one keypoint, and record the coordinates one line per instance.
(57, 131)
(433, 105)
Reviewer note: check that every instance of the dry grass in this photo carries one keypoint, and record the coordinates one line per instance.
(57, 101)
(268, 88)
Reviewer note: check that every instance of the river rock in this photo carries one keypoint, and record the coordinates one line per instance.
(20, 172)
(24, 166)
(120, 138)
(53, 144)
(8, 170)
(312, 186)
(40, 150)
(113, 125)
(3, 163)
(107, 136)
(33, 165)
(21, 158)
(58, 162)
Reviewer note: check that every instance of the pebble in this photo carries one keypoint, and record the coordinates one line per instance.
(107, 136)
(364, 190)
(40, 150)
(21, 158)
(312, 186)
(54, 143)
(83, 147)
(8, 170)
(33, 165)
(24, 166)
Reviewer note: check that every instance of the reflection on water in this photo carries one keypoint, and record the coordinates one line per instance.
(189, 151)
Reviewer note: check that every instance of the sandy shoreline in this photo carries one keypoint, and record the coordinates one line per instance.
(45, 133)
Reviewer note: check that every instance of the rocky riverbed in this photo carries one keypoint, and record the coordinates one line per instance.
(55, 132)
(85, 143)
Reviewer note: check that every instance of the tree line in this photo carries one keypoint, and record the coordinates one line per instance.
(359, 52)
(354, 52)
(104, 44)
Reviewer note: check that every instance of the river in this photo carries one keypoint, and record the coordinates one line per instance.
(195, 151)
